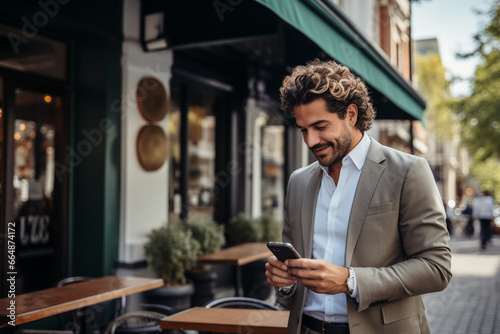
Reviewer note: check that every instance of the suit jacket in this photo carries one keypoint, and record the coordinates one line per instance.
(397, 241)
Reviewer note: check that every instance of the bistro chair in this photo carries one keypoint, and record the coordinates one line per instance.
(84, 320)
(241, 302)
(146, 320)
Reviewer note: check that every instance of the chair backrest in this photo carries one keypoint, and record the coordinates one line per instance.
(145, 321)
(136, 322)
(74, 279)
(163, 309)
(241, 302)
(87, 317)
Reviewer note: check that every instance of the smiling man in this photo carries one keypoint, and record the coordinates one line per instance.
(367, 219)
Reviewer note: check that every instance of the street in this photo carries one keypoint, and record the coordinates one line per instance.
(471, 302)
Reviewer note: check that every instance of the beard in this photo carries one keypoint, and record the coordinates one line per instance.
(338, 151)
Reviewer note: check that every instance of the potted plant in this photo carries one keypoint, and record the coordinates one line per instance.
(170, 252)
(271, 228)
(211, 239)
(243, 228)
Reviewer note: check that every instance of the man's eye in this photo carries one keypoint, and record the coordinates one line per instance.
(320, 128)
(303, 130)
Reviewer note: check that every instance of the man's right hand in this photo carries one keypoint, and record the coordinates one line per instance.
(277, 273)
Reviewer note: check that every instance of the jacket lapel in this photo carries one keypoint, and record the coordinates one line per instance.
(309, 211)
(368, 180)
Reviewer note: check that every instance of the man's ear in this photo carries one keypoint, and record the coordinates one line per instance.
(352, 114)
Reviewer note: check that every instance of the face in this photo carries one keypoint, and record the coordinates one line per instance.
(327, 136)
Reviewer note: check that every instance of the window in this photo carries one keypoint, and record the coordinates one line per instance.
(192, 165)
(33, 138)
(273, 160)
(34, 193)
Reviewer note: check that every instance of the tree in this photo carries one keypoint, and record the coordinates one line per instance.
(434, 86)
(487, 173)
(479, 113)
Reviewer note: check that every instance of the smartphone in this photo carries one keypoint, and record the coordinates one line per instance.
(283, 250)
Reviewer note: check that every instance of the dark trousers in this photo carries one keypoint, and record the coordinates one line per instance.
(485, 232)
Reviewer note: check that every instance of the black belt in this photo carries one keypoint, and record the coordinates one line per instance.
(325, 327)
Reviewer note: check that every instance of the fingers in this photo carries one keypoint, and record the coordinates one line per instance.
(277, 274)
(319, 276)
(303, 263)
(273, 260)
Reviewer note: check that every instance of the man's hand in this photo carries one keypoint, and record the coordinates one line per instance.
(277, 274)
(319, 276)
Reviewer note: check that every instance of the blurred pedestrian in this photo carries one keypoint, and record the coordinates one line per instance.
(483, 210)
(449, 223)
(469, 228)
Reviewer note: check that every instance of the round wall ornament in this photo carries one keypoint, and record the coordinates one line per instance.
(152, 147)
(151, 99)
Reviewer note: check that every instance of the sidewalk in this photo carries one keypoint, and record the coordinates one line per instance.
(471, 302)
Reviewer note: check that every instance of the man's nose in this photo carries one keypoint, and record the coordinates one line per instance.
(311, 138)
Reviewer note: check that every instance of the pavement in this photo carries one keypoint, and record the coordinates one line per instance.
(471, 302)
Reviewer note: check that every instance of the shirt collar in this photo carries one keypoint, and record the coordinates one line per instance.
(357, 155)
(360, 151)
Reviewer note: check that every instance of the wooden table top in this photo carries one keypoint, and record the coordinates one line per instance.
(228, 320)
(45, 303)
(238, 255)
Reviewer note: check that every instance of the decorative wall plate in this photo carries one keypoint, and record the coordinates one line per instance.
(152, 147)
(151, 99)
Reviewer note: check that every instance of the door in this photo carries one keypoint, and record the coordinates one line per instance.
(34, 185)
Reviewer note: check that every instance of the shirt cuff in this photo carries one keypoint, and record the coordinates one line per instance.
(286, 290)
(355, 292)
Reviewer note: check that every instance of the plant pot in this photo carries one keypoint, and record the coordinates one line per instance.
(177, 297)
(204, 287)
(254, 280)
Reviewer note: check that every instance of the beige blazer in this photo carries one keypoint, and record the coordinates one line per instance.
(397, 241)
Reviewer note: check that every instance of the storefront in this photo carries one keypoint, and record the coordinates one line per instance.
(72, 177)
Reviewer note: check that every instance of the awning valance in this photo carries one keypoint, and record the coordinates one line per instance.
(318, 23)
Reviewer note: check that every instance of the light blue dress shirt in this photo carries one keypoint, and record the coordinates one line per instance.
(333, 209)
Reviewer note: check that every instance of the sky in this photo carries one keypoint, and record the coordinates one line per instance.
(453, 23)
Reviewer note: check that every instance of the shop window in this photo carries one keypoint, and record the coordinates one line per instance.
(33, 164)
(201, 153)
(193, 159)
(273, 159)
(33, 53)
(265, 178)
(174, 134)
(34, 179)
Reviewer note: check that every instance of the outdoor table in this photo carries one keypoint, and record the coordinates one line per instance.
(41, 304)
(228, 320)
(237, 256)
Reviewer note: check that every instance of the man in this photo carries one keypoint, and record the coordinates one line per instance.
(483, 210)
(368, 220)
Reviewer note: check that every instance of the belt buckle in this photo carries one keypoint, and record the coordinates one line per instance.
(323, 326)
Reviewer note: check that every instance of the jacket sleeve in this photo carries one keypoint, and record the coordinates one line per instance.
(284, 295)
(421, 240)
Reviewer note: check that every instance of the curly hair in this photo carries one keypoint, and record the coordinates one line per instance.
(333, 82)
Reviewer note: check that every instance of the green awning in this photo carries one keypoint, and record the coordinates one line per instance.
(316, 22)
